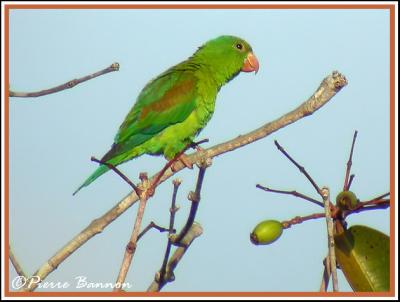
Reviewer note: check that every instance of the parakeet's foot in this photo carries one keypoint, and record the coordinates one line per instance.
(184, 160)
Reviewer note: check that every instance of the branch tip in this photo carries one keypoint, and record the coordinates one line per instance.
(340, 80)
(143, 176)
(177, 182)
(115, 66)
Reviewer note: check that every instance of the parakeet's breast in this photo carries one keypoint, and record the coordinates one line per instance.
(207, 92)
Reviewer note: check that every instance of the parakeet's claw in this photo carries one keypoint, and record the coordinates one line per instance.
(184, 160)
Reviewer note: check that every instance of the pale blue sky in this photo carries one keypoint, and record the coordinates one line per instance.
(53, 137)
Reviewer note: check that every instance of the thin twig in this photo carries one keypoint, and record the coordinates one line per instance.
(300, 219)
(16, 264)
(196, 145)
(331, 241)
(131, 246)
(346, 184)
(151, 225)
(194, 232)
(301, 168)
(366, 205)
(116, 170)
(67, 85)
(194, 197)
(325, 275)
(294, 193)
(328, 88)
(172, 211)
(371, 201)
(176, 182)
(376, 205)
(350, 181)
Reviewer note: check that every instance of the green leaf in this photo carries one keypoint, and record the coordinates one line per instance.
(363, 255)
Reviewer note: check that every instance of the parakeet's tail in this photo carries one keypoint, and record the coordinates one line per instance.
(100, 171)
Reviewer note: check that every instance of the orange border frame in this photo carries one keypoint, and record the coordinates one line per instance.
(390, 7)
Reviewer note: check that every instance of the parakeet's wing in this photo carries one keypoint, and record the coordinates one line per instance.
(166, 100)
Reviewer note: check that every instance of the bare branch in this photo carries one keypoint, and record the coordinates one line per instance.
(194, 232)
(131, 246)
(172, 211)
(294, 193)
(194, 197)
(375, 204)
(325, 275)
(152, 225)
(364, 203)
(301, 168)
(350, 181)
(16, 264)
(347, 183)
(67, 85)
(117, 171)
(300, 219)
(331, 241)
(165, 275)
(329, 87)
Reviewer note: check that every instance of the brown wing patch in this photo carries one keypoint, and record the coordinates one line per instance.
(171, 98)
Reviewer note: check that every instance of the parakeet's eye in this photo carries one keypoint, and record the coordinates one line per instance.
(239, 46)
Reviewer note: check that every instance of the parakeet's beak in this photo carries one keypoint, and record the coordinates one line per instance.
(250, 63)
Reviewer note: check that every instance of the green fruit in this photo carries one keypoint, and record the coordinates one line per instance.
(266, 232)
(346, 200)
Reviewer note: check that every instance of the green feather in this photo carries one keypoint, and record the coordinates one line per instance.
(174, 107)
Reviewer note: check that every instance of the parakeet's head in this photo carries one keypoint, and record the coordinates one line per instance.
(226, 56)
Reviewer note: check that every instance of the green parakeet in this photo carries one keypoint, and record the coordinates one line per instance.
(175, 106)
